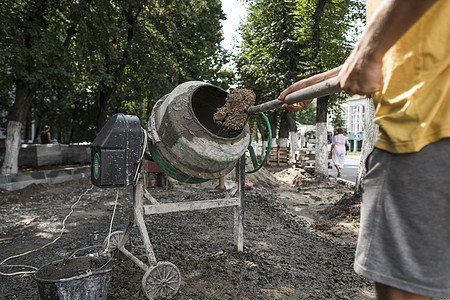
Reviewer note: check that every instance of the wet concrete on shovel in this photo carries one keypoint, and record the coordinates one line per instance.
(233, 114)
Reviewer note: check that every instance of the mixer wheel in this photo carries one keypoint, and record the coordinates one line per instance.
(114, 240)
(161, 281)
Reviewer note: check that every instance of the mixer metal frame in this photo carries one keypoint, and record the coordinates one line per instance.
(162, 279)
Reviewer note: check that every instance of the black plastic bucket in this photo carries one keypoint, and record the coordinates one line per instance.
(74, 278)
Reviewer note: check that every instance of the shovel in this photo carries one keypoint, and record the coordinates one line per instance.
(320, 89)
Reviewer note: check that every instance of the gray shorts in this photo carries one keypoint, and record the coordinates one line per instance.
(404, 238)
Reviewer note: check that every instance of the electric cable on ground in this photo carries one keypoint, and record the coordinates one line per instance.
(42, 247)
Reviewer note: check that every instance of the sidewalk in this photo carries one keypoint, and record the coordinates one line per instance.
(350, 170)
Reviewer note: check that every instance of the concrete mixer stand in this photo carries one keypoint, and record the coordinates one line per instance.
(163, 279)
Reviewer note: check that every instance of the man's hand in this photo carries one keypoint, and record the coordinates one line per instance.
(304, 83)
(296, 106)
(360, 75)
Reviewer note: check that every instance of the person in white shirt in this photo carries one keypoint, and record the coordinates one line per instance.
(338, 150)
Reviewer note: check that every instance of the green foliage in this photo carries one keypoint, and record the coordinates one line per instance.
(82, 61)
(337, 120)
(31, 40)
(267, 61)
(286, 40)
(307, 116)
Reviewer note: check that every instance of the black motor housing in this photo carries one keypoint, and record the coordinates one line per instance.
(116, 152)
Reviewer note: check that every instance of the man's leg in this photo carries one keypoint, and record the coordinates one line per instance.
(385, 292)
(222, 183)
(402, 239)
(221, 187)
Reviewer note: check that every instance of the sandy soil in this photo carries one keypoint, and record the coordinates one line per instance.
(299, 235)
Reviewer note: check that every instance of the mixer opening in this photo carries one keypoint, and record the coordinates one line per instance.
(205, 101)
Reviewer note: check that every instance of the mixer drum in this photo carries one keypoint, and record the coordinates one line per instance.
(185, 141)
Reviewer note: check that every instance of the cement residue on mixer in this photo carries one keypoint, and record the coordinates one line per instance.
(233, 114)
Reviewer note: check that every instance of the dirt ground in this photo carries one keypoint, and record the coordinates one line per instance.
(299, 238)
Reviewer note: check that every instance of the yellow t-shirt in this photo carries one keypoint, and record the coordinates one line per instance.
(413, 108)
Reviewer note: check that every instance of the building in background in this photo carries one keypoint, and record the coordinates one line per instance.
(307, 135)
(353, 115)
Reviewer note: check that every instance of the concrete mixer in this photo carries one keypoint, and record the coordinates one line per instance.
(188, 145)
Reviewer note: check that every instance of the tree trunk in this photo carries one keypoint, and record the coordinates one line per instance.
(104, 97)
(264, 149)
(255, 137)
(27, 132)
(273, 120)
(24, 93)
(255, 132)
(370, 136)
(317, 16)
(283, 132)
(283, 142)
(16, 118)
(107, 92)
(293, 135)
(321, 164)
(13, 141)
(264, 136)
(73, 122)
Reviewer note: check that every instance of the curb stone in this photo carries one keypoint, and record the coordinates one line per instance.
(13, 182)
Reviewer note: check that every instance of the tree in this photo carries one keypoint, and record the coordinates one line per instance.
(267, 61)
(307, 116)
(284, 41)
(321, 157)
(144, 52)
(329, 48)
(33, 45)
(337, 120)
(288, 131)
(77, 63)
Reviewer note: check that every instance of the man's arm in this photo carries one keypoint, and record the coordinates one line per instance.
(303, 84)
(361, 72)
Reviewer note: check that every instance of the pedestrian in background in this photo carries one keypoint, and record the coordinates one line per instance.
(339, 150)
(46, 137)
(403, 58)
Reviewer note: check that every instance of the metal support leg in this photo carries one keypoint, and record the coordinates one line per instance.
(138, 192)
(239, 209)
(126, 234)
